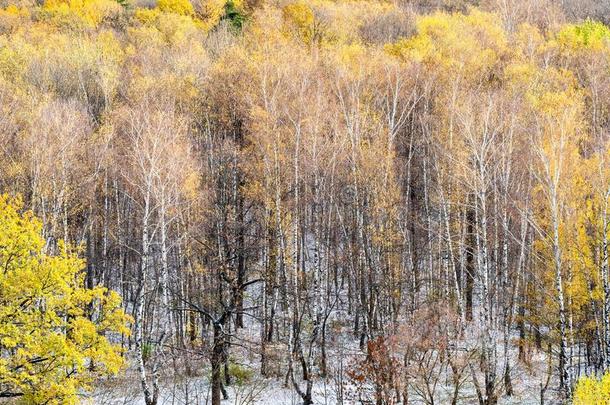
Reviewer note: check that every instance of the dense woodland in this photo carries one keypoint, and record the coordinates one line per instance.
(406, 200)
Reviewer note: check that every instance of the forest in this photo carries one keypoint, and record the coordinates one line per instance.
(304, 202)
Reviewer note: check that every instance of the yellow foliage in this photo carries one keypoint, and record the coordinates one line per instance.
(300, 19)
(51, 327)
(79, 14)
(205, 17)
(182, 7)
(592, 390)
(211, 12)
(191, 185)
(325, 22)
(174, 28)
(12, 17)
(590, 35)
(50, 60)
(147, 16)
(468, 44)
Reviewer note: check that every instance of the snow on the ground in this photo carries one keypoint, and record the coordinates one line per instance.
(177, 390)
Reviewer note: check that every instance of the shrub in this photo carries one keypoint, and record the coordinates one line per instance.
(240, 374)
(591, 390)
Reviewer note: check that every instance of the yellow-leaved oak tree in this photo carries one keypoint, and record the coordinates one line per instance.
(55, 335)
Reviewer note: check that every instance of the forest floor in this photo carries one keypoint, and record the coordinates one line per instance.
(195, 391)
(177, 388)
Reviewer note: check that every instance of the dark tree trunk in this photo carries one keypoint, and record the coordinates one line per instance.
(216, 362)
(470, 267)
(241, 259)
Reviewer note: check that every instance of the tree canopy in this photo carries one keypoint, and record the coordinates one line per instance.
(56, 336)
